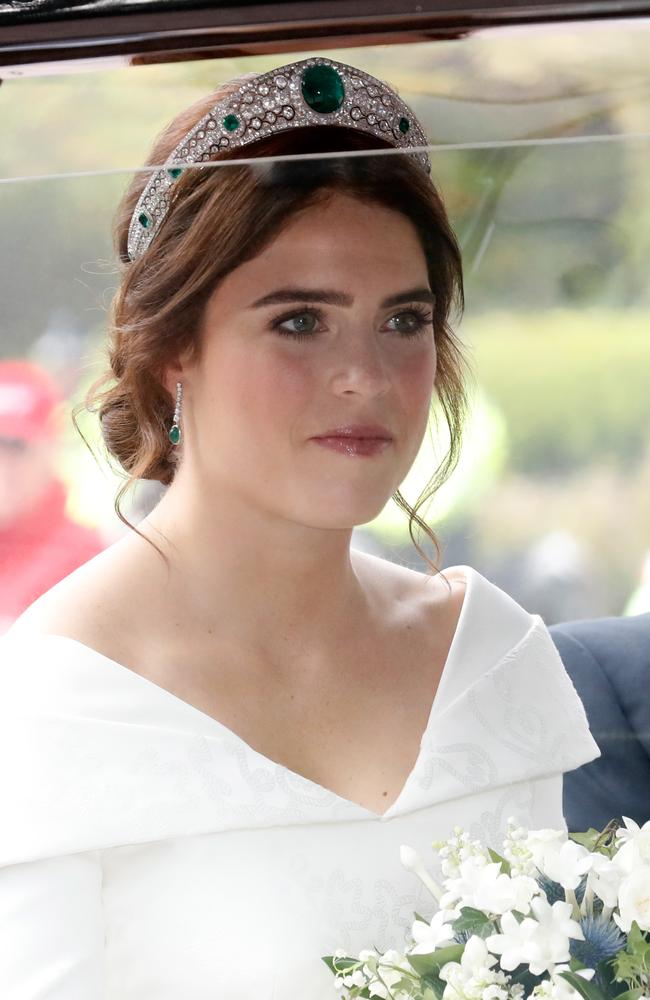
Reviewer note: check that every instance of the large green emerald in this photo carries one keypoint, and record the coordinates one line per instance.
(322, 89)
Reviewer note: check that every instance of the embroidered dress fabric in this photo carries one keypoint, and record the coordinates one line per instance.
(149, 853)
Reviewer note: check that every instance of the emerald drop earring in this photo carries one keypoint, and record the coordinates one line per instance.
(175, 429)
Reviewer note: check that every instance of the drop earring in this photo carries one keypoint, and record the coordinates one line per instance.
(175, 429)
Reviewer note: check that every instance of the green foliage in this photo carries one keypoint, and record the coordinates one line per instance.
(603, 841)
(506, 867)
(431, 964)
(587, 990)
(342, 964)
(632, 966)
(588, 839)
(606, 979)
(573, 385)
(472, 921)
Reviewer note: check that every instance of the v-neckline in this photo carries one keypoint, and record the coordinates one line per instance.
(393, 809)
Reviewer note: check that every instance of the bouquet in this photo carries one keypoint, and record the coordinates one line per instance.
(556, 916)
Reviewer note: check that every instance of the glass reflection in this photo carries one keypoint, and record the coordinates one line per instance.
(280, 298)
(556, 442)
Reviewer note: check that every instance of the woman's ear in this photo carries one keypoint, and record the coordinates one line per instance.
(173, 373)
(177, 370)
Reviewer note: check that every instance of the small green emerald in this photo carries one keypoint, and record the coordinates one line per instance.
(144, 220)
(175, 434)
(231, 122)
(175, 172)
(322, 89)
(404, 125)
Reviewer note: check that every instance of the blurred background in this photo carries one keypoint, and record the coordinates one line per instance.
(540, 145)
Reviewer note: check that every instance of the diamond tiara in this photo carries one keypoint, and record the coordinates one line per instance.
(310, 92)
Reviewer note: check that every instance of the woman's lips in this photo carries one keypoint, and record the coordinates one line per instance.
(354, 446)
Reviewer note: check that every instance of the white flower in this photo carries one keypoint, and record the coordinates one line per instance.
(458, 848)
(487, 888)
(473, 977)
(604, 878)
(515, 850)
(557, 988)
(540, 941)
(566, 863)
(462, 890)
(355, 978)
(634, 900)
(634, 845)
(475, 958)
(370, 957)
(435, 934)
(544, 844)
(585, 973)
(549, 944)
(390, 976)
(561, 859)
(512, 943)
(412, 861)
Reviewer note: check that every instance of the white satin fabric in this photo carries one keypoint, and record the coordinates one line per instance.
(149, 853)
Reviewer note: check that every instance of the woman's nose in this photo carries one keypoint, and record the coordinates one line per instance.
(359, 366)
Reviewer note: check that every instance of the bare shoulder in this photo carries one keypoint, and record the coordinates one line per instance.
(411, 591)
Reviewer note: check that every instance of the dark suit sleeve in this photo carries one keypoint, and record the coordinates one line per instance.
(608, 661)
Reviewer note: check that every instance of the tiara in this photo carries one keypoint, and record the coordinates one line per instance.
(310, 92)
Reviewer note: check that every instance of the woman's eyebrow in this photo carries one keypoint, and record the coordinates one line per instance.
(333, 298)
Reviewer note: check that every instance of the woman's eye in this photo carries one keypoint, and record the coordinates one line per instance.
(412, 322)
(303, 325)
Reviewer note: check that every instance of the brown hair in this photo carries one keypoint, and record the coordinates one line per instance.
(219, 218)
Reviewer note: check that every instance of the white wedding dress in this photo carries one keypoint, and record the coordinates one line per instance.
(149, 853)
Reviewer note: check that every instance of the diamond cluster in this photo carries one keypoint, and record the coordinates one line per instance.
(313, 91)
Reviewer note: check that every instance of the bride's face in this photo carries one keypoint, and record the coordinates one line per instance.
(330, 325)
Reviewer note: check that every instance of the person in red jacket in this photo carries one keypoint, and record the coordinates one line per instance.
(39, 543)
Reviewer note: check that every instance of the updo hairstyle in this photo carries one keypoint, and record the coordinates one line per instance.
(217, 220)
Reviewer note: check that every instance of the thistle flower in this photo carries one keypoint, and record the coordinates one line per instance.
(602, 940)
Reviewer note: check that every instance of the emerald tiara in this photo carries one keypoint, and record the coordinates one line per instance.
(310, 92)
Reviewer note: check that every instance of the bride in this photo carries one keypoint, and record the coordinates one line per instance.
(217, 733)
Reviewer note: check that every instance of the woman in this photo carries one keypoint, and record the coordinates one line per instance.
(226, 724)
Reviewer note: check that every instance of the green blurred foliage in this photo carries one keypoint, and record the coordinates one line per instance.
(573, 385)
(540, 225)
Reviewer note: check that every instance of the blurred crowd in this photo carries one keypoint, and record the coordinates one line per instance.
(40, 543)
